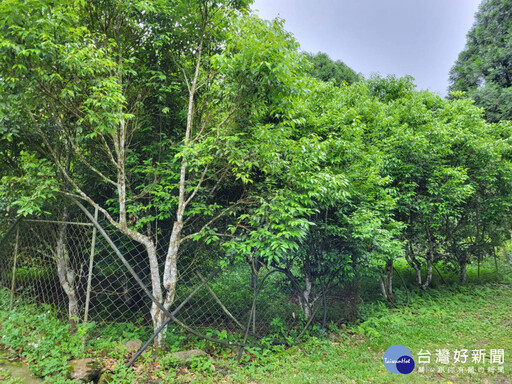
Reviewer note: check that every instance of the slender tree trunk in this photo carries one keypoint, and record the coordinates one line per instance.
(430, 260)
(387, 281)
(156, 288)
(254, 277)
(413, 262)
(419, 279)
(428, 277)
(66, 273)
(255, 267)
(478, 261)
(157, 316)
(306, 297)
(463, 272)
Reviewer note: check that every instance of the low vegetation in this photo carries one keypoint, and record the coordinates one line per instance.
(471, 316)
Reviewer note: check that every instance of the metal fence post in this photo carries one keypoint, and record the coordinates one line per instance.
(89, 277)
(13, 282)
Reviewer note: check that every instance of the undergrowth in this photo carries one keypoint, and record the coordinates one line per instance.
(476, 315)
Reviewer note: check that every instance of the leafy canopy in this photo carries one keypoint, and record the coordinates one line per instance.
(484, 68)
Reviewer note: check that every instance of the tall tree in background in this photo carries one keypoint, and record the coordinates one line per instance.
(484, 67)
(325, 69)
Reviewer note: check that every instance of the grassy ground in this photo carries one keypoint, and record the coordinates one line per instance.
(476, 316)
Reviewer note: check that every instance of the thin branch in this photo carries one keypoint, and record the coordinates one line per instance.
(82, 194)
(91, 167)
(219, 125)
(107, 149)
(78, 116)
(58, 100)
(192, 195)
(185, 77)
(226, 170)
(221, 214)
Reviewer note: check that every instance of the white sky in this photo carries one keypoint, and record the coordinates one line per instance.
(421, 38)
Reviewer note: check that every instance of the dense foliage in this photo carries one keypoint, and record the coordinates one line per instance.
(484, 68)
(324, 68)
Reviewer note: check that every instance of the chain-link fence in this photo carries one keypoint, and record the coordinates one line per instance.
(30, 266)
(77, 267)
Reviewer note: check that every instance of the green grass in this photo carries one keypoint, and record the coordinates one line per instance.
(473, 317)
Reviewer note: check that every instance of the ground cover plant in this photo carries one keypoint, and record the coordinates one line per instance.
(472, 316)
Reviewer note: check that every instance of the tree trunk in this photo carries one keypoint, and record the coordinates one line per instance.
(306, 298)
(157, 316)
(463, 272)
(254, 278)
(418, 275)
(413, 262)
(387, 281)
(478, 261)
(430, 261)
(66, 274)
(428, 278)
(255, 268)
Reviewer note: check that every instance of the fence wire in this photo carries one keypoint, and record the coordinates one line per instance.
(56, 262)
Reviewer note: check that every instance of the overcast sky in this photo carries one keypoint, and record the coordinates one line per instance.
(421, 38)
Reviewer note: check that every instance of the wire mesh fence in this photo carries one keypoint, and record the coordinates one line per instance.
(30, 262)
(68, 264)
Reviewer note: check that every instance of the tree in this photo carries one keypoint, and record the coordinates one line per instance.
(484, 68)
(139, 99)
(428, 187)
(325, 210)
(355, 234)
(450, 171)
(325, 69)
(482, 150)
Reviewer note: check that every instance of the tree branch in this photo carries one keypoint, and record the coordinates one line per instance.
(197, 186)
(91, 167)
(65, 174)
(221, 214)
